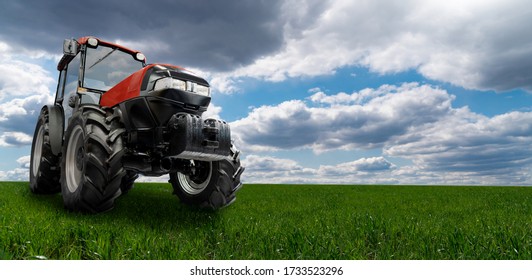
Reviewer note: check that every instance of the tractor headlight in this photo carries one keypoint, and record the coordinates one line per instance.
(169, 82)
(202, 90)
(189, 86)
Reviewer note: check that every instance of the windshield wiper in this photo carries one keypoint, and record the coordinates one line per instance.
(103, 57)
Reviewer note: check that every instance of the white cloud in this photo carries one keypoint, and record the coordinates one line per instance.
(223, 83)
(24, 161)
(213, 111)
(23, 106)
(364, 119)
(24, 89)
(18, 174)
(10, 139)
(372, 164)
(19, 78)
(376, 170)
(446, 145)
(465, 142)
(267, 169)
(314, 90)
(20, 114)
(363, 96)
(256, 163)
(5, 49)
(473, 44)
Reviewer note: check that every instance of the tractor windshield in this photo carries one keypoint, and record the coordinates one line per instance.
(107, 66)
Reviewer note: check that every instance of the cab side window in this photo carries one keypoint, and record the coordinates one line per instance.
(60, 85)
(71, 84)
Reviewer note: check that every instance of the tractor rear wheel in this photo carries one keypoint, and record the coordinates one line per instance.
(91, 169)
(213, 184)
(44, 165)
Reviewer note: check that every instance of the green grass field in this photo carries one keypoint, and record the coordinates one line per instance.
(276, 222)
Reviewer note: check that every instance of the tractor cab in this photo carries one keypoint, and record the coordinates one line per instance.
(90, 67)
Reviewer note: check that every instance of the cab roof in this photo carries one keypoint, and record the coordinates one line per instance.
(83, 41)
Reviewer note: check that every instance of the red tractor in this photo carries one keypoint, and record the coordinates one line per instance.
(116, 117)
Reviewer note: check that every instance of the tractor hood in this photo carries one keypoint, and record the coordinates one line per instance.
(161, 80)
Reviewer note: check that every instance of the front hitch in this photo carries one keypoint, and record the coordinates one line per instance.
(191, 137)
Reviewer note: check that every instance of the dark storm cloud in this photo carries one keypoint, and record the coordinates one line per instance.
(215, 35)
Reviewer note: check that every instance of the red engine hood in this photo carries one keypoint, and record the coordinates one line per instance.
(126, 89)
(130, 87)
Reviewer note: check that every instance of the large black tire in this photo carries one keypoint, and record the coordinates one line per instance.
(213, 187)
(44, 165)
(91, 169)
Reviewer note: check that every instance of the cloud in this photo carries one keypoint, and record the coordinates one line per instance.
(213, 111)
(413, 122)
(373, 164)
(18, 174)
(363, 120)
(465, 142)
(273, 164)
(10, 139)
(24, 89)
(21, 114)
(473, 44)
(374, 170)
(24, 161)
(267, 169)
(206, 34)
(18, 78)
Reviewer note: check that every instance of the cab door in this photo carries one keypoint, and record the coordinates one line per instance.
(67, 86)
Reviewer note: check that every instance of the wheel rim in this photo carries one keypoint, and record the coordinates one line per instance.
(194, 187)
(37, 150)
(75, 155)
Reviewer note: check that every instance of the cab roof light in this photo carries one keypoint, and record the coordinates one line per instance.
(93, 42)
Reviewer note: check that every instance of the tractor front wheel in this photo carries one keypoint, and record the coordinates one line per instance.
(91, 170)
(213, 184)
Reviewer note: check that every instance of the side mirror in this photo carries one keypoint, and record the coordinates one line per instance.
(73, 100)
(70, 47)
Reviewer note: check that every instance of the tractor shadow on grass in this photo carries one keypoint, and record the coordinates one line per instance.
(141, 207)
(46, 202)
(155, 207)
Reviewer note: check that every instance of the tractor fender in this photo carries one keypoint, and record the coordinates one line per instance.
(55, 127)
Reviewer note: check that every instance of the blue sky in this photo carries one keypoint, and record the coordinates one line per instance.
(343, 92)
